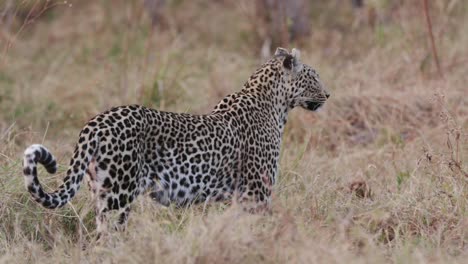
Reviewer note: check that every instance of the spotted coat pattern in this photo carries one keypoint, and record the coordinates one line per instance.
(184, 158)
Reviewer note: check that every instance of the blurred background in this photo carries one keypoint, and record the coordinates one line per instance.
(64, 61)
(393, 134)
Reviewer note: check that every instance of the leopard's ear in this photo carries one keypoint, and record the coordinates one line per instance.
(296, 54)
(292, 62)
(281, 52)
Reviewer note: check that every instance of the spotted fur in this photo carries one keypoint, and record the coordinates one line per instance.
(183, 158)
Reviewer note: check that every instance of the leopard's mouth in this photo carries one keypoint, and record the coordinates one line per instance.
(313, 106)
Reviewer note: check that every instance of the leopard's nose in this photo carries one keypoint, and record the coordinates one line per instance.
(327, 95)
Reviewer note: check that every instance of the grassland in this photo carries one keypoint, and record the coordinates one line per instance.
(379, 175)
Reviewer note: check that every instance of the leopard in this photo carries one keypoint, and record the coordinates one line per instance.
(233, 152)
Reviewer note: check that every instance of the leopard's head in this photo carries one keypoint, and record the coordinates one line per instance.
(303, 83)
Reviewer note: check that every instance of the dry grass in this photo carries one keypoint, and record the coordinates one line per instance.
(379, 175)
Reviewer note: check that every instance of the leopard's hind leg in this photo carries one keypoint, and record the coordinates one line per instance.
(159, 194)
(114, 191)
(96, 189)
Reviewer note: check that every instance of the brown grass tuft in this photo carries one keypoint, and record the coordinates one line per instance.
(360, 188)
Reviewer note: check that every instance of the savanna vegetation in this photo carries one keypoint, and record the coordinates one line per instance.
(380, 174)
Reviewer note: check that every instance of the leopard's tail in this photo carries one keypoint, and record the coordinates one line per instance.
(36, 153)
